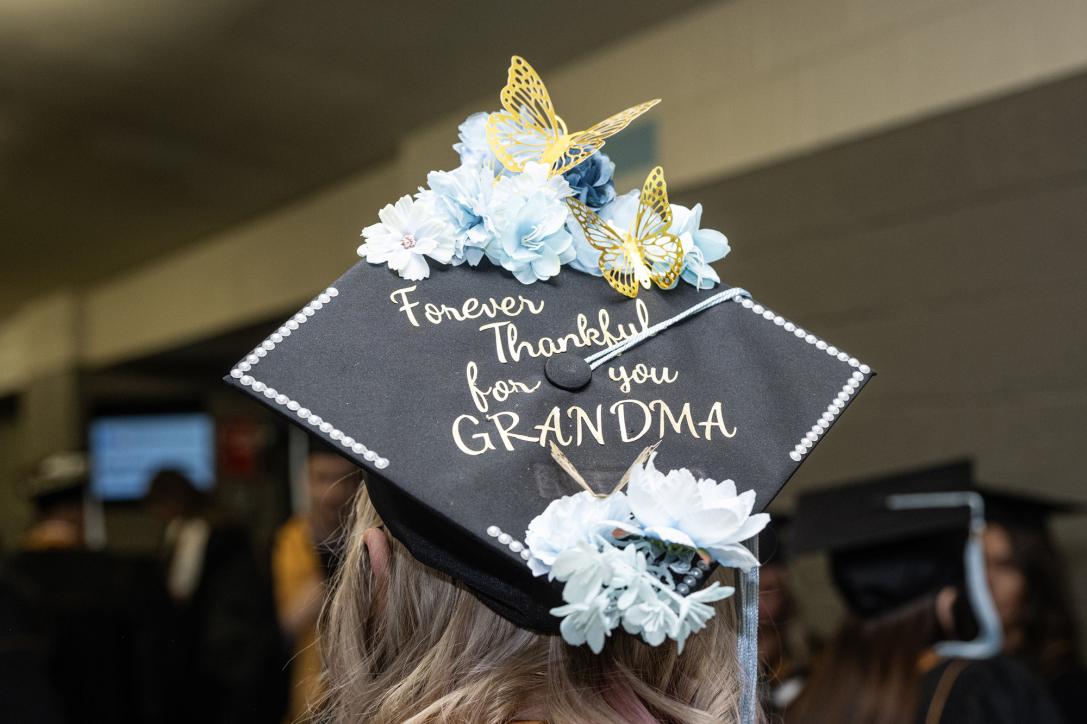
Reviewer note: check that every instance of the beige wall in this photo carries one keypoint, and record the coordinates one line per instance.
(744, 83)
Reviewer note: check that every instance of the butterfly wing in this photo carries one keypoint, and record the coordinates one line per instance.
(599, 235)
(663, 252)
(620, 270)
(564, 462)
(585, 143)
(528, 127)
(664, 255)
(615, 263)
(639, 461)
(654, 212)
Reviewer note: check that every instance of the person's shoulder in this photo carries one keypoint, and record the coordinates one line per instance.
(292, 530)
(293, 539)
(993, 690)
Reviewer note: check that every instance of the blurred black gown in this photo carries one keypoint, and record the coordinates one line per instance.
(227, 640)
(83, 638)
(992, 691)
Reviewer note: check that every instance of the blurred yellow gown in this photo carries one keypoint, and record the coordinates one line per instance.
(295, 566)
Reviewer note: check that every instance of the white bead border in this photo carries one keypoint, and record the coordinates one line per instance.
(508, 540)
(243, 368)
(856, 377)
(261, 351)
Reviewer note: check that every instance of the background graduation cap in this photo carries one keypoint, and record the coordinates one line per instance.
(895, 538)
(57, 478)
(1019, 510)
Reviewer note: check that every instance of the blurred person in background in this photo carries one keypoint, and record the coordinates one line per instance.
(1029, 585)
(83, 630)
(227, 643)
(913, 648)
(305, 556)
(56, 492)
(784, 641)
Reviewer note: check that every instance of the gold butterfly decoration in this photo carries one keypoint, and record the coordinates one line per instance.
(645, 253)
(528, 129)
(564, 463)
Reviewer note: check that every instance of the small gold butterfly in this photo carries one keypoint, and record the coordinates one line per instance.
(564, 463)
(647, 252)
(528, 129)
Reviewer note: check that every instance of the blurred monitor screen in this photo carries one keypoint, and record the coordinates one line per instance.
(126, 451)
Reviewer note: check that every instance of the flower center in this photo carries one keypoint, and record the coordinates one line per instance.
(408, 241)
(533, 239)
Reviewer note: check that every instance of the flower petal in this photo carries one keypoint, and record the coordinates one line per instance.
(733, 555)
(713, 243)
(416, 268)
(670, 535)
(708, 527)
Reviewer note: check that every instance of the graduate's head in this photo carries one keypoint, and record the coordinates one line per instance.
(172, 494)
(885, 556)
(405, 642)
(1028, 579)
(56, 486)
(897, 551)
(506, 411)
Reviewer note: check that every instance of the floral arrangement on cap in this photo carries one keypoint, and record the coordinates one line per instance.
(531, 198)
(638, 558)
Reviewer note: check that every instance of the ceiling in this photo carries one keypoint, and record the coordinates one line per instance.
(129, 128)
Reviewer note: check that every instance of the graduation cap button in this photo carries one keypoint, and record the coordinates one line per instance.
(568, 371)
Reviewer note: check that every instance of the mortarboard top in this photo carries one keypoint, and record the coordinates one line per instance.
(856, 515)
(450, 390)
(1017, 509)
(439, 414)
(62, 474)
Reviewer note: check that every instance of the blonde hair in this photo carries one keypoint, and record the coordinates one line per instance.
(431, 652)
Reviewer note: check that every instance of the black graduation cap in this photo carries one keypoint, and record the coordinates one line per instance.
(57, 477)
(449, 391)
(883, 557)
(1021, 510)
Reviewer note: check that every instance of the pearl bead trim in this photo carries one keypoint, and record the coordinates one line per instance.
(509, 541)
(261, 351)
(859, 372)
(242, 373)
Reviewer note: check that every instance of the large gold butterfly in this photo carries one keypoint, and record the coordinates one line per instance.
(647, 252)
(528, 129)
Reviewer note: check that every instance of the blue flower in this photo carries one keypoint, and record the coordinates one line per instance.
(474, 148)
(701, 247)
(529, 219)
(463, 197)
(591, 181)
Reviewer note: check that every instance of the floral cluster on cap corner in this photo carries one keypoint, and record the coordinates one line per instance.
(519, 219)
(635, 559)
